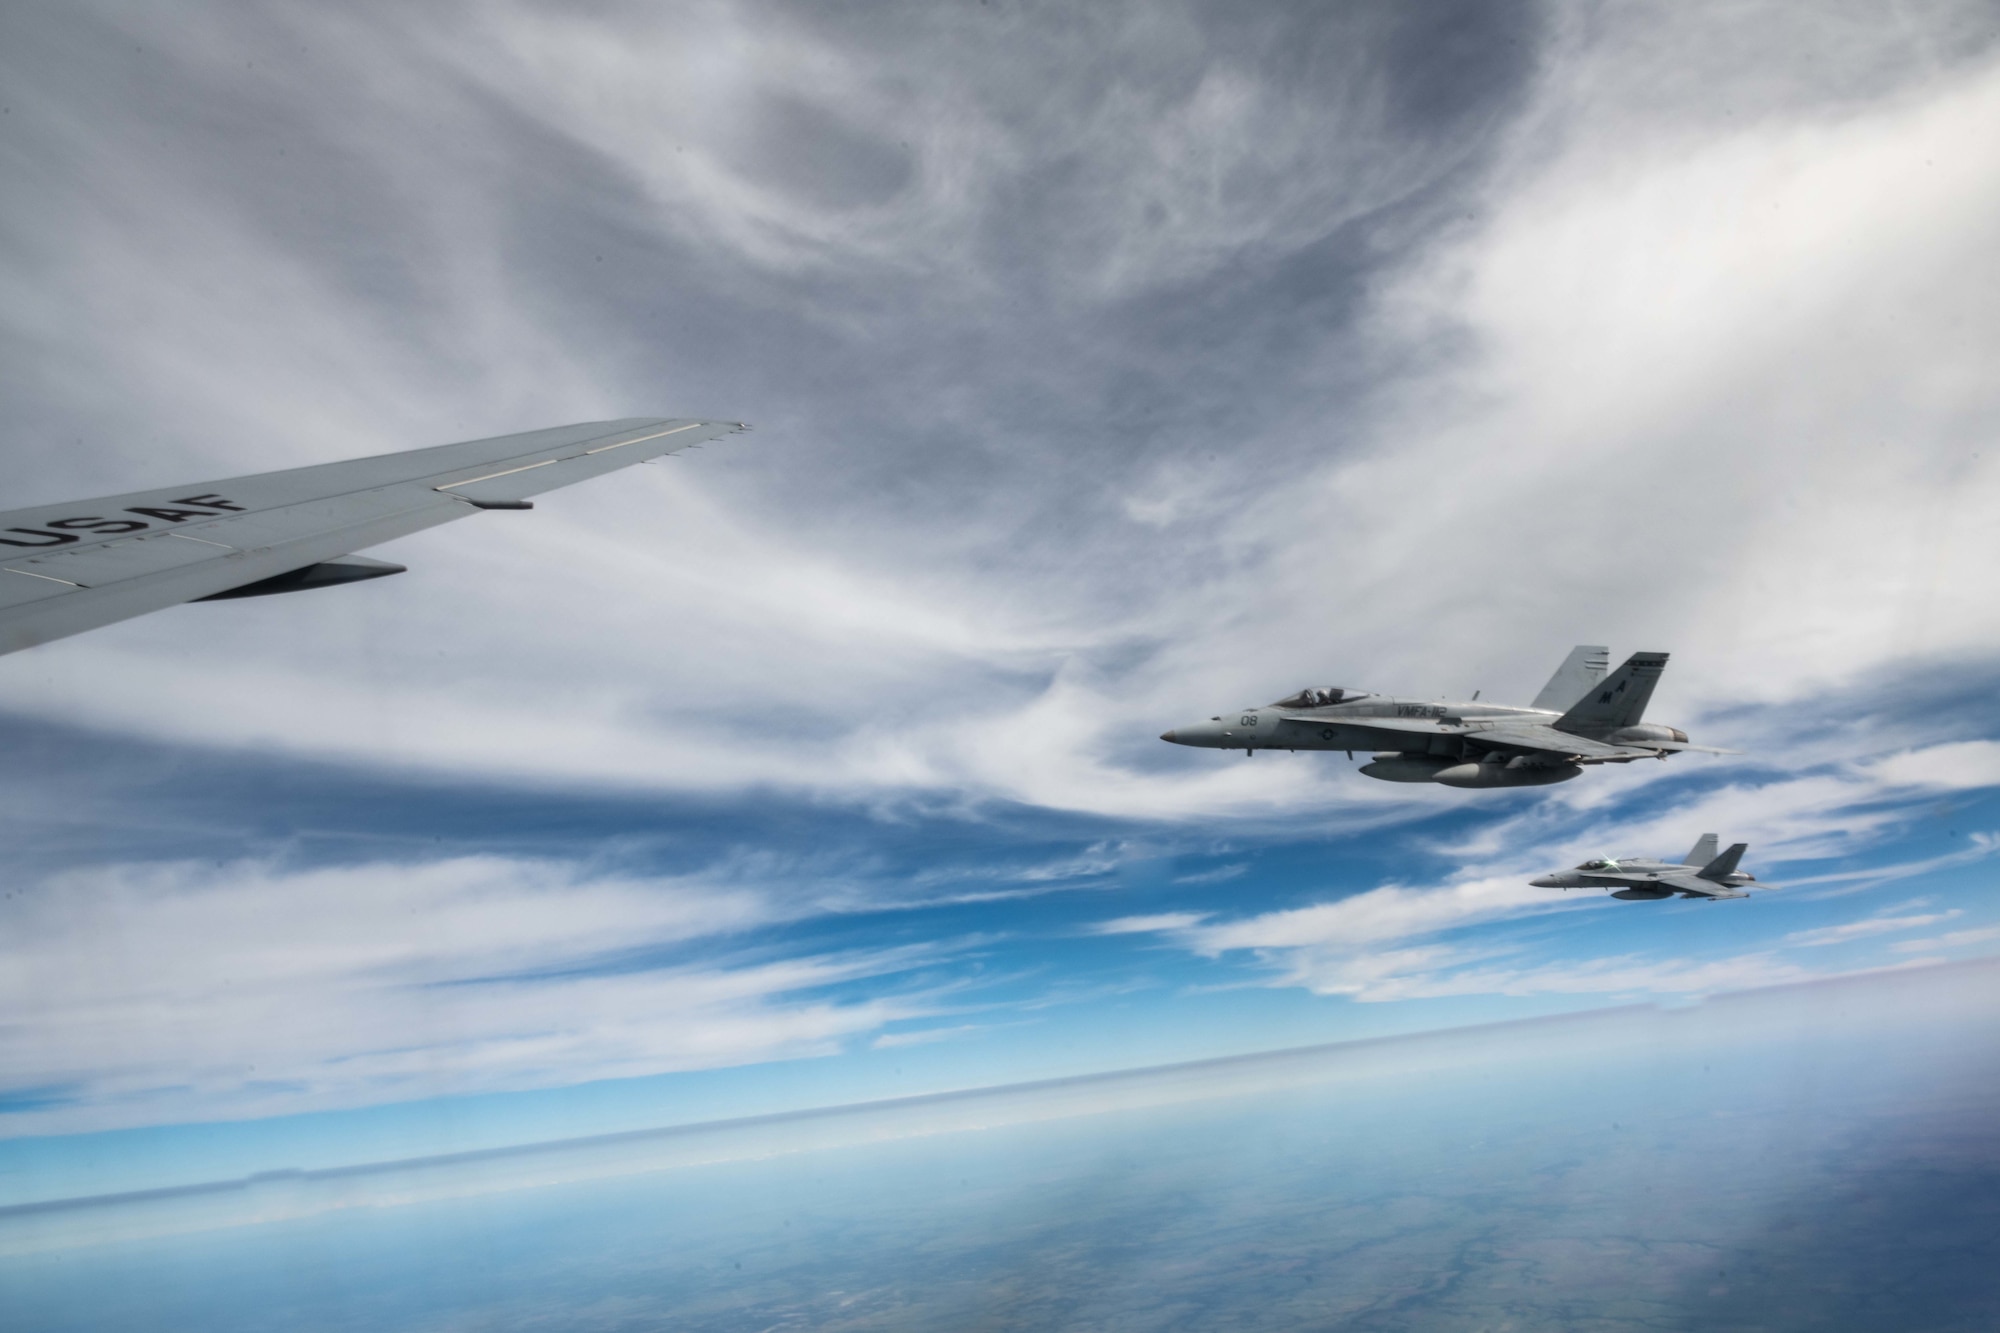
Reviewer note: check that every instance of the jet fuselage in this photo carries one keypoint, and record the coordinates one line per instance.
(1582, 716)
(1332, 727)
(1638, 878)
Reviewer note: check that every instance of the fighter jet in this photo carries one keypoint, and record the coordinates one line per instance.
(66, 568)
(1582, 716)
(1640, 877)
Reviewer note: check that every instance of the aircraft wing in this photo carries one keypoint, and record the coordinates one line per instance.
(1673, 883)
(1533, 737)
(1539, 739)
(66, 568)
(1695, 884)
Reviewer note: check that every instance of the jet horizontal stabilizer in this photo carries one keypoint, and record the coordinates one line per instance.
(1723, 866)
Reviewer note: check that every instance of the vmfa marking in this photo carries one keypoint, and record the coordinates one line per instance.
(63, 531)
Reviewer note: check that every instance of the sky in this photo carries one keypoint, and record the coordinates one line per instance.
(1110, 366)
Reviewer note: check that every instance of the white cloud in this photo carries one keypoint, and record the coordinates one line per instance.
(1388, 913)
(1647, 391)
(1418, 975)
(1957, 939)
(1865, 928)
(1379, 947)
(1954, 766)
(1146, 925)
(184, 991)
(1371, 947)
(1219, 875)
(925, 1036)
(1701, 363)
(1704, 364)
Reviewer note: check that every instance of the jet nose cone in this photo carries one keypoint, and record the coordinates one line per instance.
(1169, 737)
(1546, 882)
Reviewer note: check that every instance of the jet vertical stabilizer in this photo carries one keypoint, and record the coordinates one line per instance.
(1723, 866)
(1583, 668)
(1619, 701)
(1704, 851)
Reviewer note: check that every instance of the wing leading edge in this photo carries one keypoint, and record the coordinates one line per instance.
(68, 568)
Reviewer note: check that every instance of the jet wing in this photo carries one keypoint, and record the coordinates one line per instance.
(1697, 886)
(1518, 736)
(66, 568)
(1539, 739)
(1685, 883)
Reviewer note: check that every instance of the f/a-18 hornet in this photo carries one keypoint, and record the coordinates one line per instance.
(1582, 716)
(1702, 874)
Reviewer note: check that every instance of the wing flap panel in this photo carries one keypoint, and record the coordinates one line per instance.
(18, 589)
(94, 566)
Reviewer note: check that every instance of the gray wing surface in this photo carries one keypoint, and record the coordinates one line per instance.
(66, 568)
(1677, 881)
(1539, 739)
(1529, 737)
(1694, 884)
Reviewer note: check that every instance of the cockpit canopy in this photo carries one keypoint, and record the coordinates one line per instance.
(1601, 863)
(1319, 698)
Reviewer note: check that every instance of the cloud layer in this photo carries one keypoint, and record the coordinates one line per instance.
(1016, 503)
(1110, 366)
(193, 991)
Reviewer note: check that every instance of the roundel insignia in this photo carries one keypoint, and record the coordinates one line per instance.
(1326, 733)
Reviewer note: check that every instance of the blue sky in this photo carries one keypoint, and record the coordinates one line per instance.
(1109, 367)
